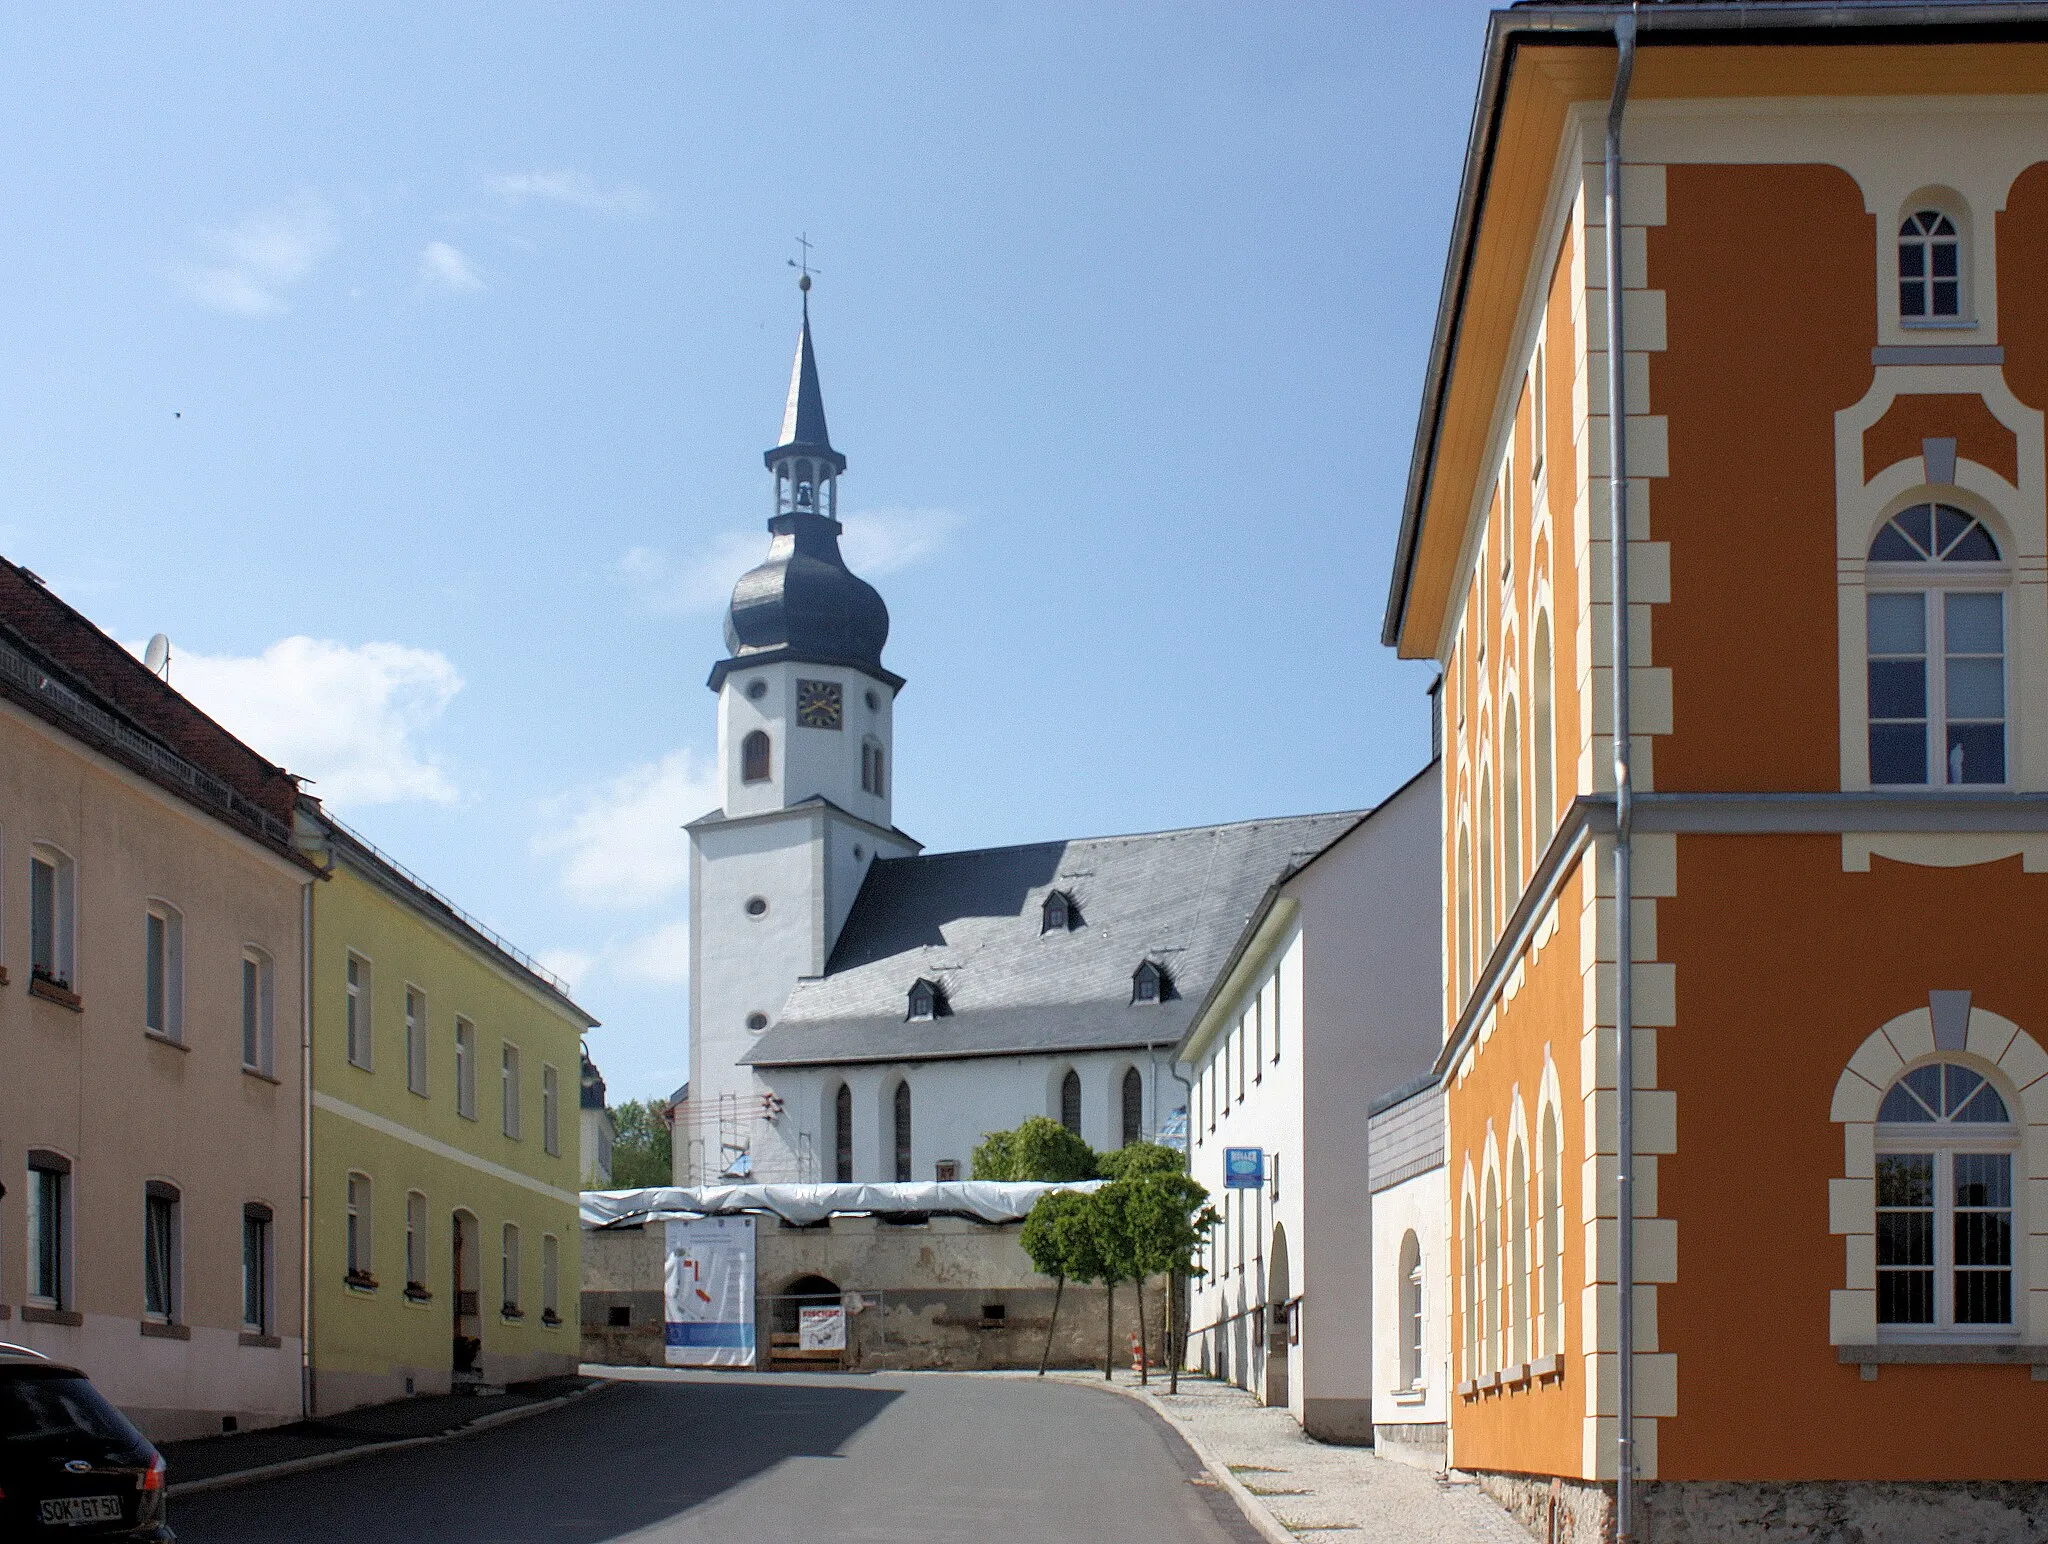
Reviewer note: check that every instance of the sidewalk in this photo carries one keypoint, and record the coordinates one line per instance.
(308, 1444)
(1312, 1490)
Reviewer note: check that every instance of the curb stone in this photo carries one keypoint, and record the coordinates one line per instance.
(365, 1449)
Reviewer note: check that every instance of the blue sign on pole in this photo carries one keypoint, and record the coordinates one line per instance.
(1244, 1168)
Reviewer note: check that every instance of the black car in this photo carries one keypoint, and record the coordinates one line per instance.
(71, 1467)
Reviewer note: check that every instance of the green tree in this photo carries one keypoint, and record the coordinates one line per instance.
(1110, 1221)
(641, 1149)
(1059, 1237)
(1167, 1215)
(1140, 1160)
(1039, 1149)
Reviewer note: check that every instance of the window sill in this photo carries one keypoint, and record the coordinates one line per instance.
(2003, 1353)
(1490, 1384)
(1412, 1396)
(262, 1076)
(1469, 1389)
(157, 1329)
(1517, 1376)
(35, 1315)
(163, 1039)
(1544, 1368)
(1938, 323)
(50, 992)
(261, 1342)
(360, 1281)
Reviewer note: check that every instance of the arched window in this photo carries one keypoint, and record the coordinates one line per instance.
(1930, 266)
(1511, 804)
(754, 757)
(1464, 919)
(903, 1132)
(842, 1135)
(1545, 782)
(1411, 1311)
(1483, 945)
(1490, 1339)
(871, 767)
(1070, 1101)
(1469, 1251)
(1945, 1145)
(1134, 1107)
(1936, 630)
(1553, 1238)
(1518, 1255)
(1060, 914)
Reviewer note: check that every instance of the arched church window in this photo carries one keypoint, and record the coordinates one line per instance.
(871, 767)
(755, 758)
(1060, 914)
(1150, 983)
(1070, 1101)
(903, 1132)
(842, 1135)
(1935, 616)
(1945, 1146)
(1410, 1282)
(1930, 266)
(1134, 1107)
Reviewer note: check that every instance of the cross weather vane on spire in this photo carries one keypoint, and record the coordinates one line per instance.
(804, 266)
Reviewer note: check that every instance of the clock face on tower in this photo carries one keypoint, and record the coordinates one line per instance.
(819, 705)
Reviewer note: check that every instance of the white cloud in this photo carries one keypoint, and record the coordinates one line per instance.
(262, 256)
(622, 844)
(447, 268)
(574, 188)
(662, 957)
(877, 542)
(348, 716)
(571, 965)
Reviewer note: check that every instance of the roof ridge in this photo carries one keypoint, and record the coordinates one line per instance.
(1133, 836)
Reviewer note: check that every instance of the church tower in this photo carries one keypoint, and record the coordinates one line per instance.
(806, 763)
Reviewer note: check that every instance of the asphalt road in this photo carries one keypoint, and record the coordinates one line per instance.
(681, 1457)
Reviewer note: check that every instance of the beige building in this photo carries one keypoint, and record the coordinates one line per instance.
(151, 938)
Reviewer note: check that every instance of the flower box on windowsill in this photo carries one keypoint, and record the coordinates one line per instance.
(511, 1311)
(416, 1292)
(551, 1319)
(360, 1281)
(50, 989)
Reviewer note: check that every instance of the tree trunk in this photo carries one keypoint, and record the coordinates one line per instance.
(1109, 1332)
(1059, 1291)
(1144, 1340)
(1174, 1353)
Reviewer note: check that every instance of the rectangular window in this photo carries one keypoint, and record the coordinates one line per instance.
(1507, 515)
(416, 1040)
(1272, 995)
(416, 1240)
(1940, 1271)
(510, 1265)
(508, 1089)
(359, 1012)
(1981, 1184)
(51, 894)
(465, 1069)
(1258, 1019)
(49, 1230)
(163, 972)
(160, 1252)
(1538, 418)
(1241, 1037)
(550, 1279)
(1936, 715)
(550, 1112)
(256, 1268)
(259, 1012)
(357, 1236)
(1905, 1238)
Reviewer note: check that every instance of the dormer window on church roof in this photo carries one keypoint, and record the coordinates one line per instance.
(927, 1001)
(1060, 914)
(1150, 983)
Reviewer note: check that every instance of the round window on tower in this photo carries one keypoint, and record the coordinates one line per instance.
(756, 690)
(874, 702)
(757, 907)
(757, 1022)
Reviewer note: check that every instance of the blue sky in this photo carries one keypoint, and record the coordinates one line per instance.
(410, 367)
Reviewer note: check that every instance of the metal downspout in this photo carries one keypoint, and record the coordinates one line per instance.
(1624, 804)
(306, 1390)
(1176, 1354)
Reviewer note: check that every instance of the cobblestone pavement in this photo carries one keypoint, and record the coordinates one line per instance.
(1319, 1492)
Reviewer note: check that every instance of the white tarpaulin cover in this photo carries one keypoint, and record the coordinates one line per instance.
(709, 1285)
(984, 1200)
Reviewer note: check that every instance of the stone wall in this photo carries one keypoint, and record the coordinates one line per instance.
(947, 1293)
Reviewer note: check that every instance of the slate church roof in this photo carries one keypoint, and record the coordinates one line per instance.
(973, 924)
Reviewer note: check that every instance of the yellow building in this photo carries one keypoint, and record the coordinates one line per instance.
(446, 1163)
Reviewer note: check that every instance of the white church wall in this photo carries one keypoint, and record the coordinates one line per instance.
(805, 762)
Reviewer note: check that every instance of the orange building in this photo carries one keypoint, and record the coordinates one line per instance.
(1833, 236)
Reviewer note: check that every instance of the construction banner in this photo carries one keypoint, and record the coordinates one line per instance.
(709, 1282)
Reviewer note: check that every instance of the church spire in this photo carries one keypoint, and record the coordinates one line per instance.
(804, 458)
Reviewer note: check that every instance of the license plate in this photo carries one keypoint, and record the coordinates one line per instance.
(81, 1509)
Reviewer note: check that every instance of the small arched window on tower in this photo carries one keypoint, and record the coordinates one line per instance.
(1930, 267)
(1060, 914)
(1150, 983)
(927, 1001)
(871, 767)
(755, 757)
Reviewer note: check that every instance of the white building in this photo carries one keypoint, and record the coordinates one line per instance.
(862, 1011)
(1330, 999)
(1411, 1322)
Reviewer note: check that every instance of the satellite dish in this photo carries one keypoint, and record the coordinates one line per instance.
(156, 659)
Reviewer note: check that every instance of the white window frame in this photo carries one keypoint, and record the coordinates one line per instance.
(509, 1092)
(361, 1012)
(1411, 1306)
(416, 1226)
(550, 1280)
(359, 1217)
(1964, 317)
(263, 1289)
(416, 1039)
(163, 977)
(259, 1011)
(465, 1068)
(49, 1210)
(509, 1268)
(161, 1198)
(550, 1110)
(1539, 405)
(61, 925)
